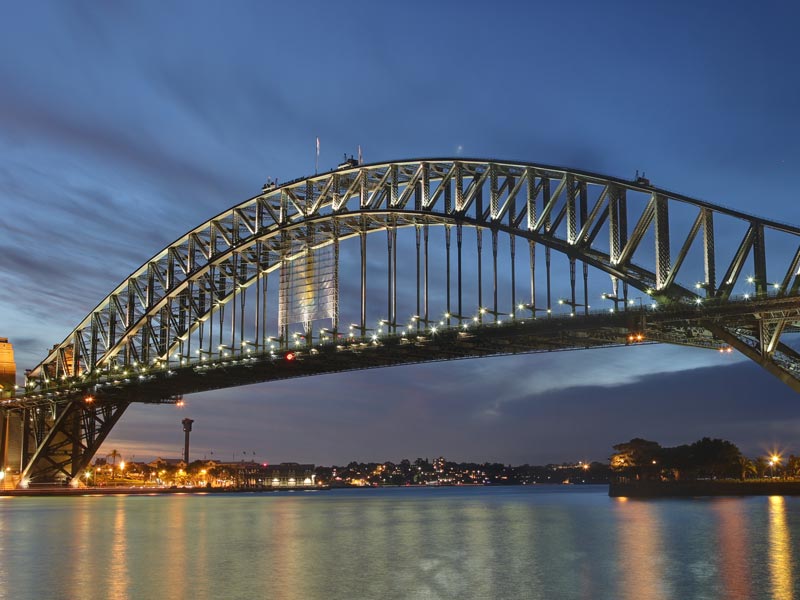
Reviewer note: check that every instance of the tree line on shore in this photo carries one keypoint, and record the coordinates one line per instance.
(707, 458)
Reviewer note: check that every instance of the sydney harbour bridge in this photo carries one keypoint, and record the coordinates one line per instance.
(407, 262)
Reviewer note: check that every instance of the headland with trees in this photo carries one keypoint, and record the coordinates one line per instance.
(706, 467)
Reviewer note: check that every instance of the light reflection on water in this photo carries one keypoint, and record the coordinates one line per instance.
(508, 543)
(639, 557)
(780, 551)
(734, 548)
(118, 581)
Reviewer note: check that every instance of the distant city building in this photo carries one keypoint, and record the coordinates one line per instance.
(8, 369)
(283, 475)
(161, 463)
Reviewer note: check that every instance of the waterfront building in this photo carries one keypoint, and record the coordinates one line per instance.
(281, 476)
(290, 474)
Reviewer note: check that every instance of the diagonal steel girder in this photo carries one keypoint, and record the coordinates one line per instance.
(754, 348)
(74, 436)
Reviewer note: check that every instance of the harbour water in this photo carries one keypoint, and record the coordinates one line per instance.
(537, 542)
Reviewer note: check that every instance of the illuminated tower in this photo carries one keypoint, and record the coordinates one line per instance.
(8, 377)
(8, 370)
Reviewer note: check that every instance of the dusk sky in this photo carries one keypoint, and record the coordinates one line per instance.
(123, 125)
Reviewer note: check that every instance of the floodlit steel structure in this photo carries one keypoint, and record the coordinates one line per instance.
(201, 313)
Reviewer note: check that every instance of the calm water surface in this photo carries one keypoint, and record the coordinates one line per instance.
(489, 543)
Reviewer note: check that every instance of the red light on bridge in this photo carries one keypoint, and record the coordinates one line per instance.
(290, 356)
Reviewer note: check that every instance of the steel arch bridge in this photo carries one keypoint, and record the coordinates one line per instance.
(277, 287)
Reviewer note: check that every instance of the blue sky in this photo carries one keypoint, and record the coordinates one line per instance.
(124, 125)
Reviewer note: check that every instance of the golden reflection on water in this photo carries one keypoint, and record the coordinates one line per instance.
(640, 552)
(81, 534)
(734, 548)
(288, 556)
(780, 550)
(173, 554)
(199, 540)
(118, 579)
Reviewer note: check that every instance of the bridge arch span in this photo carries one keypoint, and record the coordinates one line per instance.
(553, 212)
(203, 299)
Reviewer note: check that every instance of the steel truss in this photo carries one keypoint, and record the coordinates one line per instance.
(204, 298)
(68, 437)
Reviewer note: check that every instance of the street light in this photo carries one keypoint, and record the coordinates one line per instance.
(774, 459)
(633, 301)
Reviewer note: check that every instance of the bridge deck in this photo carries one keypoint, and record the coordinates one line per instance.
(677, 324)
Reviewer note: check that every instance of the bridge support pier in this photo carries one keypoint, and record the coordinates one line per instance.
(13, 445)
(70, 437)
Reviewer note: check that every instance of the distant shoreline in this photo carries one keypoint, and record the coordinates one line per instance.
(146, 491)
(684, 489)
(155, 491)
